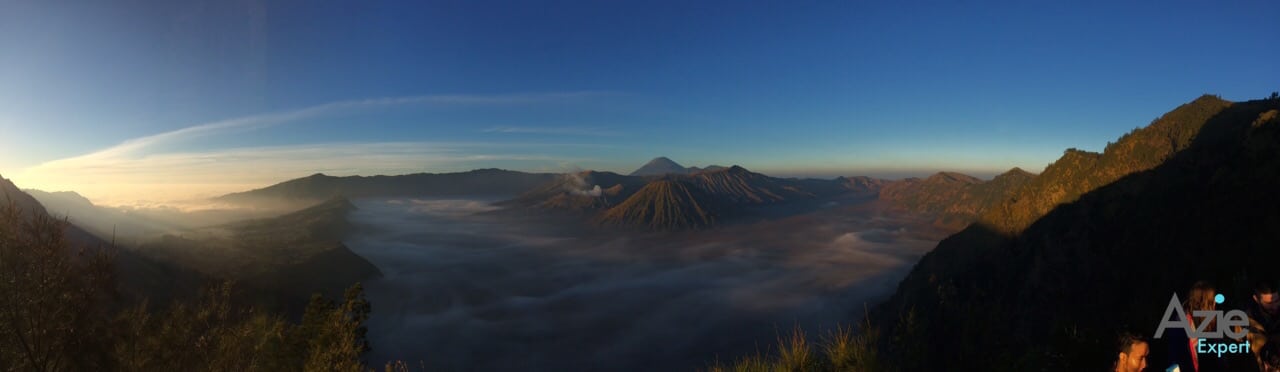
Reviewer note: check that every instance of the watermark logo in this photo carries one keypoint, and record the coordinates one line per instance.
(1231, 324)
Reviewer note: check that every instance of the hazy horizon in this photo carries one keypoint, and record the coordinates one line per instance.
(148, 195)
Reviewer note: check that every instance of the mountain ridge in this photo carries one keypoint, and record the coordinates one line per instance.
(295, 254)
(732, 189)
(1117, 248)
(1078, 171)
(319, 187)
(954, 199)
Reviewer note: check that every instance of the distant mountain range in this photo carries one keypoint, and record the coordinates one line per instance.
(715, 193)
(663, 166)
(955, 199)
(319, 187)
(679, 201)
(106, 223)
(721, 189)
(703, 197)
(698, 199)
(1097, 244)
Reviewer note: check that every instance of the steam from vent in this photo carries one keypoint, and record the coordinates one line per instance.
(595, 191)
(578, 186)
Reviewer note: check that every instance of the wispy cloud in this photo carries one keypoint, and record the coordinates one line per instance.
(265, 120)
(569, 131)
(134, 170)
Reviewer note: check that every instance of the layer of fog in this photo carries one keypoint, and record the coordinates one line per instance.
(131, 226)
(465, 290)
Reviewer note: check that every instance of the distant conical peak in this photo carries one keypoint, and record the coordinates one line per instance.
(659, 166)
(662, 160)
(952, 176)
(1016, 171)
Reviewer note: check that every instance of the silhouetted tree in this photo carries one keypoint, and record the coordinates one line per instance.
(53, 313)
(333, 336)
(357, 310)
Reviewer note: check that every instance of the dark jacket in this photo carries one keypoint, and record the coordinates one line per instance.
(1263, 326)
(1180, 351)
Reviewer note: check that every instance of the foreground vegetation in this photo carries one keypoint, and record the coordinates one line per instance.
(843, 349)
(62, 312)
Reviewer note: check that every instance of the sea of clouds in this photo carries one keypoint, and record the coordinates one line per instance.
(466, 288)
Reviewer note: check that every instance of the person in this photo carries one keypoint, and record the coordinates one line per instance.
(1264, 318)
(1133, 350)
(1269, 357)
(1182, 347)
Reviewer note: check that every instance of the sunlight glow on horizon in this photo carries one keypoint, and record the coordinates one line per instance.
(154, 170)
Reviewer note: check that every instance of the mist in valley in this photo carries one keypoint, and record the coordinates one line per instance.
(468, 287)
(131, 226)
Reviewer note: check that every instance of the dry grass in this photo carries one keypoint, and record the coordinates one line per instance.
(841, 349)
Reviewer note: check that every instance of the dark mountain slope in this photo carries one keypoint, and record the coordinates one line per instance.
(1202, 204)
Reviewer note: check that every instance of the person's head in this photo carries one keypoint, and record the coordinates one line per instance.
(1133, 350)
(1200, 297)
(1266, 297)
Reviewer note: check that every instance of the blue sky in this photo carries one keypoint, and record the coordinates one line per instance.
(289, 88)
